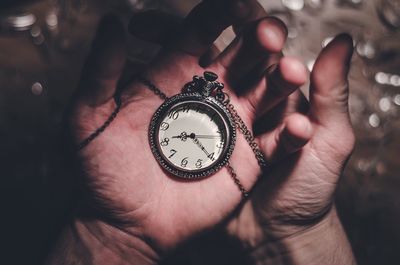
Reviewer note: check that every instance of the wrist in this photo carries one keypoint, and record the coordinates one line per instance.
(323, 243)
(96, 242)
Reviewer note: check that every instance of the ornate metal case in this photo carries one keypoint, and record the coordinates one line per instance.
(195, 92)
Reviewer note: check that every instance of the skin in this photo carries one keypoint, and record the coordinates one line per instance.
(133, 212)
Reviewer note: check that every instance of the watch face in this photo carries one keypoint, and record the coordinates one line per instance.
(192, 137)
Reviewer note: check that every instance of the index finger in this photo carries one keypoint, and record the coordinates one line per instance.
(208, 20)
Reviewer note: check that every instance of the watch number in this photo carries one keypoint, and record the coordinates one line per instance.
(184, 162)
(164, 142)
(200, 108)
(199, 163)
(164, 126)
(173, 114)
(212, 116)
(220, 145)
(173, 152)
(211, 156)
(185, 108)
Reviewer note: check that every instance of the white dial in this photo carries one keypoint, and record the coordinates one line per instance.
(192, 136)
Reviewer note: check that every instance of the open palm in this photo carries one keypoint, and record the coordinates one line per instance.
(128, 183)
(125, 186)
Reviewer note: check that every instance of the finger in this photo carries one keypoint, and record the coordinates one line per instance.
(278, 84)
(257, 13)
(294, 103)
(206, 22)
(252, 49)
(209, 56)
(104, 64)
(200, 29)
(329, 85)
(154, 26)
(292, 135)
(157, 27)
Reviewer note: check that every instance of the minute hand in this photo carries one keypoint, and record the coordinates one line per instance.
(200, 145)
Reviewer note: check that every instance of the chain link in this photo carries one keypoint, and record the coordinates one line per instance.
(152, 87)
(235, 178)
(91, 137)
(248, 136)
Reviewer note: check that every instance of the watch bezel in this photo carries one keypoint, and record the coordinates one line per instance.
(156, 149)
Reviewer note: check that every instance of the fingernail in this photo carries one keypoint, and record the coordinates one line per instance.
(349, 40)
(272, 34)
(293, 71)
(294, 141)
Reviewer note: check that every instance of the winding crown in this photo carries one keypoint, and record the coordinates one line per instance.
(207, 86)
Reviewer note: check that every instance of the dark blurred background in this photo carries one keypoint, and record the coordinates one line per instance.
(43, 44)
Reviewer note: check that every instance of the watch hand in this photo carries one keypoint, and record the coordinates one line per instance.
(204, 136)
(208, 136)
(199, 144)
(183, 136)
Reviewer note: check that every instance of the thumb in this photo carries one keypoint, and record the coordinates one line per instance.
(329, 85)
(104, 64)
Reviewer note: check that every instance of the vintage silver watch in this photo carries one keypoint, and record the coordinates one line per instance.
(192, 134)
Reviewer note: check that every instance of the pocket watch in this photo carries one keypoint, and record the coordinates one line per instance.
(192, 134)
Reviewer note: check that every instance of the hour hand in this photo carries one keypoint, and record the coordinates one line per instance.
(183, 136)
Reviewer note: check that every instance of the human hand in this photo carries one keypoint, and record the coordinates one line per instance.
(291, 215)
(132, 209)
(294, 200)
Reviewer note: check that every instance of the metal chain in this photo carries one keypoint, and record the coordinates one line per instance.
(239, 124)
(152, 87)
(248, 136)
(91, 137)
(235, 178)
